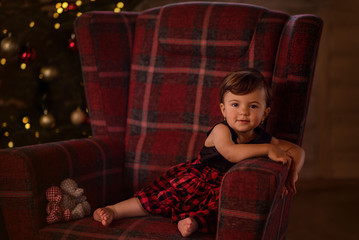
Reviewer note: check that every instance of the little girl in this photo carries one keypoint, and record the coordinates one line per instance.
(189, 192)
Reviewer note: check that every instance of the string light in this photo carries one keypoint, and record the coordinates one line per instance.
(23, 66)
(79, 14)
(10, 144)
(3, 61)
(78, 3)
(57, 25)
(25, 120)
(32, 24)
(27, 126)
(58, 5)
(4, 31)
(65, 5)
(119, 6)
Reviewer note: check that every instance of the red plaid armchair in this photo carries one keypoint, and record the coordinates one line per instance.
(151, 82)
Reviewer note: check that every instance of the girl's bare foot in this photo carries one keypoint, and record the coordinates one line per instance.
(187, 226)
(104, 215)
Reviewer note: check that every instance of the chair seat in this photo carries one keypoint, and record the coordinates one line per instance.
(151, 227)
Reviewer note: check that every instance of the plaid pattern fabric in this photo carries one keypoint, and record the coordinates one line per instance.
(105, 53)
(144, 228)
(26, 173)
(151, 83)
(185, 190)
(181, 54)
(250, 204)
(293, 75)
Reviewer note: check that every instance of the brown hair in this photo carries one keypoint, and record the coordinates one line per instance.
(244, 82)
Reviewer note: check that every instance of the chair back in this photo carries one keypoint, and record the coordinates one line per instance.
(154, 79)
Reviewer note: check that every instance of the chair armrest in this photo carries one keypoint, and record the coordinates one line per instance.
(26, 172)
(249, 197)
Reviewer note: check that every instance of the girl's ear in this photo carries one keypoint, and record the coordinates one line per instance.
(266, 113)
(222, 109)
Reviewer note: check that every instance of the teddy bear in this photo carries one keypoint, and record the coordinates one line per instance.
(66, 202)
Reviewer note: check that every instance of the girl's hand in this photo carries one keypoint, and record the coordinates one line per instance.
(278, 155)
(289, 186)
(290, 182)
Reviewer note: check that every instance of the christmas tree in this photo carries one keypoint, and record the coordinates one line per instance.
(41, 89)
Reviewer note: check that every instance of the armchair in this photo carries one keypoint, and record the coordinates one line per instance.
(151, 82)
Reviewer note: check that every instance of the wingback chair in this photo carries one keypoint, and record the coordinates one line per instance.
(152, 82)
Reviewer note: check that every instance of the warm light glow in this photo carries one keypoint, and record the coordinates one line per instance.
(58, 5)
(55, 15)
(41, 76)
(79, 14)
(59, 10)
(4, 31)
(32, 24)
(27, 126)
(23, 66)
(57, 25)
(6, 134)
(78, 3)
(4, 124)
(65, 4)
(3, 61)
(37, 134)
(10, 144)
(117, 10)
(120, 5)
(25, 120)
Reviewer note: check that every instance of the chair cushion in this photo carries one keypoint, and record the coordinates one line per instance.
(151, 227)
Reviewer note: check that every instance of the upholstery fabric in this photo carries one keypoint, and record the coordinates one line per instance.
(151, 82)
(173, 97)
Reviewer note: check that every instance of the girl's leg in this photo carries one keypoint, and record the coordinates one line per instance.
(127, 208)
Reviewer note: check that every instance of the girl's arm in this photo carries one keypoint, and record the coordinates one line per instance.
(221, 139)
(298, 156)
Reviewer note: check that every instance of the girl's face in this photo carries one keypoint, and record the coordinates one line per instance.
(245, 112)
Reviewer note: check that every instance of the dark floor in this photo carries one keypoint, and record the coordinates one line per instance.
(325, 210)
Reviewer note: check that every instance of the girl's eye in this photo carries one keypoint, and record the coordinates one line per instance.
(235, 105)
(253, 106)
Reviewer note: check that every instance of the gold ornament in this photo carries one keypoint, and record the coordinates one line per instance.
(77, 116)
(9, 45)
(47, 120)
(49, 73)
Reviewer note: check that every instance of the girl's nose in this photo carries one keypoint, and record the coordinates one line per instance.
(244, 111)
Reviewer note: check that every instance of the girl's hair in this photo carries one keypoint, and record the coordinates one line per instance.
(244, 82)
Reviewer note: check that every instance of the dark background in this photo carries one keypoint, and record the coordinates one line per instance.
(48, 91)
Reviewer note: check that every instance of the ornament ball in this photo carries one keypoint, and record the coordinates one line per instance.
(78, 117)
(49, 73)
(9, 45)
(47, 120)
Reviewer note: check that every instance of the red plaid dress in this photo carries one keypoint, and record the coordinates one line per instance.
(191, 189)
